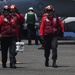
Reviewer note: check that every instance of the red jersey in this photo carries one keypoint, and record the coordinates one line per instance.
(8, 26)
(20, 18)
(48, 25)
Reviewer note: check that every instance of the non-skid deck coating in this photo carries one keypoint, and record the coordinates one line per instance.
(31, 61)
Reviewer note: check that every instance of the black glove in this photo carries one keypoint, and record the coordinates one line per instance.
(17, 39)
(62, 35)
(42, 38)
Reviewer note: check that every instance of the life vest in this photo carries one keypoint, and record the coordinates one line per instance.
(31, 18)
(9, 26)
(50, 26)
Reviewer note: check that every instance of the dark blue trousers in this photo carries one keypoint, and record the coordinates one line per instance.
(50, 43)
(8, 43)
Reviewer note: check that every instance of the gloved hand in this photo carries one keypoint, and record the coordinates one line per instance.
(62, 35)
(42, 38)
(17, 39)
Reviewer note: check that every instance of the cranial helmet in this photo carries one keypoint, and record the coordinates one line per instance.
(49, 8)
(31, 8)
(13, 7)
(6, 7)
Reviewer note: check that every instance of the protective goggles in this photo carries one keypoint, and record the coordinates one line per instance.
(7, 10)
(50, 11)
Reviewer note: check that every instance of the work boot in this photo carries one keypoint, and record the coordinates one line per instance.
(47, 62)
(41, 47)
(29, 42)
(36, 42)
(4, 65)
(54, 64)
(12, 66)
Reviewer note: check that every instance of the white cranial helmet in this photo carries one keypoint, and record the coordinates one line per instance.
(31, 8)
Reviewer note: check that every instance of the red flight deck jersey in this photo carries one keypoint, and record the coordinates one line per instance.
(47, 21)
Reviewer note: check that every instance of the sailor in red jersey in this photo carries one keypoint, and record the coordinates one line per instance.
(20, 19)
(49, 33)
(9, 34)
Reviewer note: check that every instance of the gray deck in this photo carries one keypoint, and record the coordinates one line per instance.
(31, 61)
